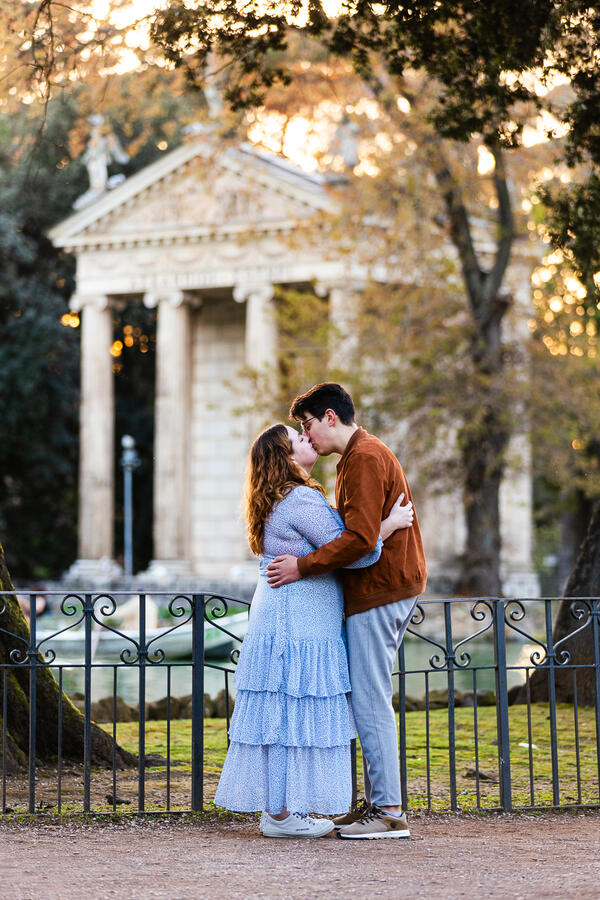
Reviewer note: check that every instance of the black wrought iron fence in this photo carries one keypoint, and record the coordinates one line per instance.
(526, 740)
(485, 719)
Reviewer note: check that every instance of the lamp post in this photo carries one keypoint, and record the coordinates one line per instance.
(129, 461)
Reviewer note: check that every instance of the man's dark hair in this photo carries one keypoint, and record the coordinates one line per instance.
(321, 397)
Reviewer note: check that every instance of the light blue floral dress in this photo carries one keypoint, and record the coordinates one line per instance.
(291, 727)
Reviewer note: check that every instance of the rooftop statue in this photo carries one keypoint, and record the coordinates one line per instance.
(103, 148)
(213, 98)
(345, 142)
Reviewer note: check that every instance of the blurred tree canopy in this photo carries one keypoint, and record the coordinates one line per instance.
(42, 135)
(39, 374)
(437, 88)
(442, 76)
(461, 73)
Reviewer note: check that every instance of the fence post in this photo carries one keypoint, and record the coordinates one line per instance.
(198, 703)
(142, 705)
(33, 660)
(451, 701)
(402, 727)
(552, 702)
(88, 609)
(595, 609)
(502, 707)
(353, 773)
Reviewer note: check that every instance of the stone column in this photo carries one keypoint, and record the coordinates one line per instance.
(260, 341)
(519, 578)
(95, 562)
(343, 302)
(171, 437)
(261, 325)
(342, 344)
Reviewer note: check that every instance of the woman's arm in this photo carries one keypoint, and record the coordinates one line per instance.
(401, 516)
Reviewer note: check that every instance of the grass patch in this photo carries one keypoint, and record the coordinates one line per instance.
(426, 791)
(526, 790)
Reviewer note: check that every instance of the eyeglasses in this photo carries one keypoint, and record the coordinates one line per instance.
(305, 422)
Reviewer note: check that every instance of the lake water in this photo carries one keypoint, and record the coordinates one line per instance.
(416, 658)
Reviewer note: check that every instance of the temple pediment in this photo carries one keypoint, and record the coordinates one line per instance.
(191, 192)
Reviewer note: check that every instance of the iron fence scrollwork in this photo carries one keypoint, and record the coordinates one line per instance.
(439, 636)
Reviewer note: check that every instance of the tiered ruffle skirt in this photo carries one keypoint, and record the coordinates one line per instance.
(291, 727)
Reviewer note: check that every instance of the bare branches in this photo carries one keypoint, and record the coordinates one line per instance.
(50, 44)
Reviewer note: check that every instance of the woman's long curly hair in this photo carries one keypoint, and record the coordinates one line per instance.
(271, 474)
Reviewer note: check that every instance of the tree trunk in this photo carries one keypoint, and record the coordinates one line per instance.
(482, 448)
(483, 442)
(483, 466)
(584, 582)
(17, 681)
(574, 521)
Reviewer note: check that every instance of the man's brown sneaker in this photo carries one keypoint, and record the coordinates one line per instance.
(376, 823)
(353, 815)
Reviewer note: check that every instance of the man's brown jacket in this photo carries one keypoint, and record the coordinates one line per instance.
(369, 481)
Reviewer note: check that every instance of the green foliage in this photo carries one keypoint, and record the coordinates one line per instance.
(573, 225)
(466, 47)
(466, 70)
(573, 208)
(38, 409)
(41, 176)
(39, 373)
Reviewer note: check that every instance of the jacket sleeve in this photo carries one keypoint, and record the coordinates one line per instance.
(365, 496)
(312, 517)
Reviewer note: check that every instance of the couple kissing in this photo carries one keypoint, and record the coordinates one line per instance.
(336, 591)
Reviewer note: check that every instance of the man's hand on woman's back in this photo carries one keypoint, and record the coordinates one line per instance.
(283, 570)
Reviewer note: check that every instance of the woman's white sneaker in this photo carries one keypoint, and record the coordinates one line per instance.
(295, 825)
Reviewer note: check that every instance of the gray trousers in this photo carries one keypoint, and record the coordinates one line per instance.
(374, 637)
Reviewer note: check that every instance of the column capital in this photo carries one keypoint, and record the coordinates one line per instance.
(325, 288)
(262, 291)
(322, 288)
(174, 298)
(81, 301)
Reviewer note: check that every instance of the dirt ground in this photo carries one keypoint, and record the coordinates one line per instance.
(513, 856)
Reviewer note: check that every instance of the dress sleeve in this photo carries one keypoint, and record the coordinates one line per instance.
(311, 516)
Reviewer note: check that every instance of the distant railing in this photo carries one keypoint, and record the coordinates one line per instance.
(464, 743)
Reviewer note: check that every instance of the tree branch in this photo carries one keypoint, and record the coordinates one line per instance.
(460, 228)
(506, 226)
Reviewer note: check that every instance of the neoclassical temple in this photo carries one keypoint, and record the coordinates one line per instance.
(203, 236)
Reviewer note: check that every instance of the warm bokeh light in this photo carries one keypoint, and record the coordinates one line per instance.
(545, 128)
(574, 286)
(485, 162)
(70, 320)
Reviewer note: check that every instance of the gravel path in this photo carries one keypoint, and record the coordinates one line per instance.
(508, 856)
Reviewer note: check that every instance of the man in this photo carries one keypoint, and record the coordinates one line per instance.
(379, 600)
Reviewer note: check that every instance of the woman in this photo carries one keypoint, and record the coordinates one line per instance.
(291, 728)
